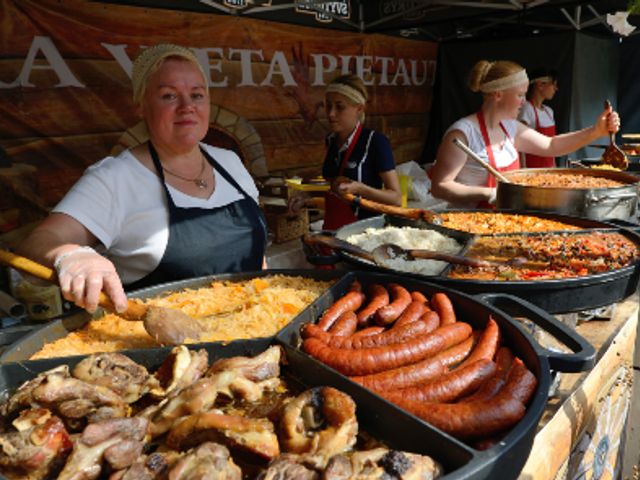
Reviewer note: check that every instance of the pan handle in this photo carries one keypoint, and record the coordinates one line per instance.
(583, 356)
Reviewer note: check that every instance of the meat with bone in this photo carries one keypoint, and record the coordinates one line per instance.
(381, 463)
(287, 467)
(180, 369)
(37, 448)
(68, 397)
(319, 423)
(231, 382)
(155, 466)
(255, 435)
(118, 373)
(23, 396)
(119, 441)
(209, 461)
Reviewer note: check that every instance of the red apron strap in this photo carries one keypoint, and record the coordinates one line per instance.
(491, 182)
(535, 161)
(336, 211)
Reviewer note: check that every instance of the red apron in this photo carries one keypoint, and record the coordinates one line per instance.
(337, 212)
(534, 161)
(515, 165)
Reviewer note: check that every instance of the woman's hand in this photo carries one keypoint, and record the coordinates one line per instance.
(295, 204)
(608, 121)
(342, 185)
(83, 274)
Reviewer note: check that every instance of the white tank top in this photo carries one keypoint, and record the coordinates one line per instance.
(472, 173)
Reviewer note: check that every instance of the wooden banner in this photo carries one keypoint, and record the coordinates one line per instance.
(66, 101)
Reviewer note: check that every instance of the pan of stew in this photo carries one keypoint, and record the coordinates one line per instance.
(571, 264)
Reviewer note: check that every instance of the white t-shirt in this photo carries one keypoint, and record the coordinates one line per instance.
(528, 116)
(472, 173)
(123, 204)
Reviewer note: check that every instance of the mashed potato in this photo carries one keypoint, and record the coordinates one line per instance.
(411, 238)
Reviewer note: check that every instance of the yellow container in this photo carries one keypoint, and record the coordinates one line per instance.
(405, 188)
(42, 301)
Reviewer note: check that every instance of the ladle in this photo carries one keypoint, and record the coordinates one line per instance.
(167, 326)
(613, 155)
(390, 251)
(478, 160)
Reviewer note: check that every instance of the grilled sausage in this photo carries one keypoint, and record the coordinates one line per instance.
(387, 337)
(441, 303)
(402, 377)
(489, 389)
(411, 314)
(481, 418)
(417, 296)
(487, 344)
(368, 331)
(401, 298)
(349, 303)
(345, 325)
(379, 297)
(448, 387)
(365, 361)
(431, 319)
(455, 354)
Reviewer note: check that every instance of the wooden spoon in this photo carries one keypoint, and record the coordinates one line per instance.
(613, 155)
(390, 251)
(483, 164)
(410, 213)
(166, 326)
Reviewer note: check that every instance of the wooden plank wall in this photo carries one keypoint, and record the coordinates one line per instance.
(61, 130)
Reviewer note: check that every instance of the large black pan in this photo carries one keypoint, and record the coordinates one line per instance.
(395, 428)
(33, 342)
(383, 420)
(554, 296)
(505, 459)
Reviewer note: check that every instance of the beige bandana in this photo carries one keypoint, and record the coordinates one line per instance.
(351, 93)
(504, 83)
(150, 57)
(546, 79)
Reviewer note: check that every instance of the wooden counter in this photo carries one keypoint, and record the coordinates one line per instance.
(581, 433)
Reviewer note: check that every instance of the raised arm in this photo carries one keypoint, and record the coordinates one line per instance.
(529, 141)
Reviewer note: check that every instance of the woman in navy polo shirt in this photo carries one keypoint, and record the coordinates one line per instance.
(359, 160)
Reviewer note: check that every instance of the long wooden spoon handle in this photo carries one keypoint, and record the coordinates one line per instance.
(135, 311)
(410, 213)
(478, 160)
(445, 257)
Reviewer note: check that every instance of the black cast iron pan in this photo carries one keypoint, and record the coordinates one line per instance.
(33, 342)
(554, 296)
(395, 428)
(506, 458)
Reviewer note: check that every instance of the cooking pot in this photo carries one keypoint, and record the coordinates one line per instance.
(595, 203)
(505, 459)
(555, 296)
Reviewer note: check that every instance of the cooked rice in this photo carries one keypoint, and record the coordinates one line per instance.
(254, 308)
(410, 238)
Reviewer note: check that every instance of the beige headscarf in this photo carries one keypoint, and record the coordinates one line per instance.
(147, 62)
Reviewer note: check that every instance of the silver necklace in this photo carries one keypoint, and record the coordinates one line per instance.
(201, 183)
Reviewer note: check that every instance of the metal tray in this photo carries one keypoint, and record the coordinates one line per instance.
(395, 428)
(31, 343)
(506, 458)
(554, 296)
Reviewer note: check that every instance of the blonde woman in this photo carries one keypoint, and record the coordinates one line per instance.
(359, 160)
(496, 136)
(168, 209)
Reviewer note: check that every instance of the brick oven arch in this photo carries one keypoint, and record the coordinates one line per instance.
(227, 129)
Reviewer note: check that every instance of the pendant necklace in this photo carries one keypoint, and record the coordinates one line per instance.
(201, 183)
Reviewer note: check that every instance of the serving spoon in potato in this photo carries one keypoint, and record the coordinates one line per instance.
(167, 326)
